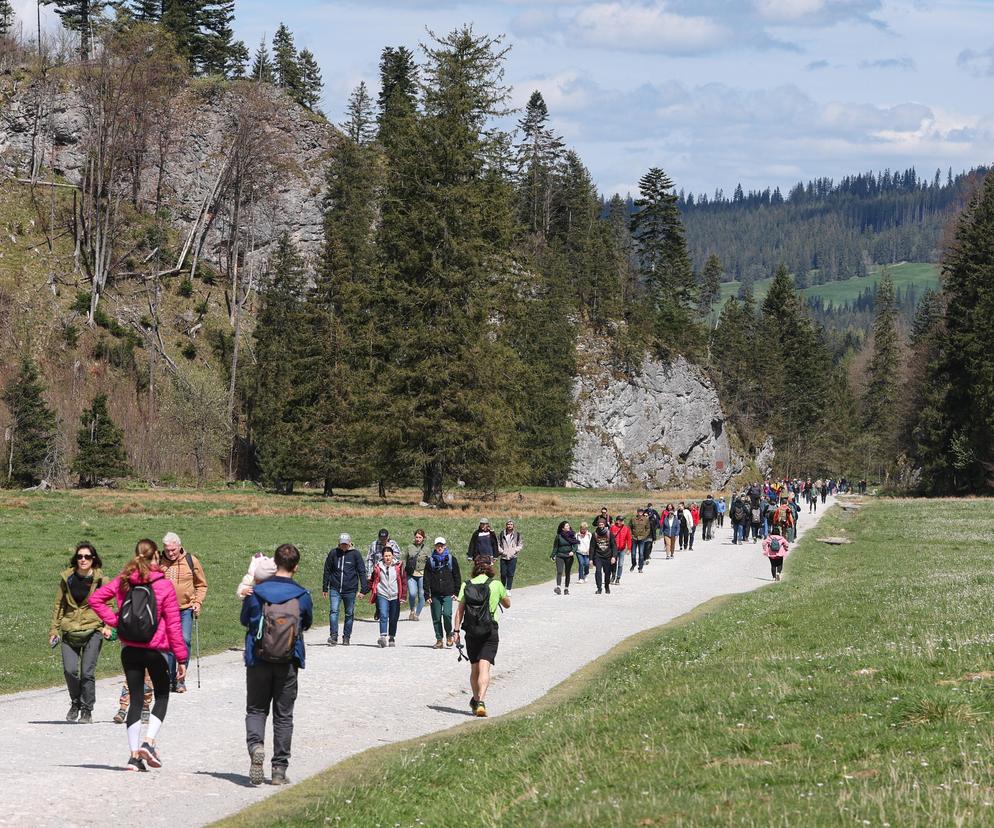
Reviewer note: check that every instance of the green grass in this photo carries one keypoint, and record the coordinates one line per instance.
(919, 274)
(853, 693)
(224, 529)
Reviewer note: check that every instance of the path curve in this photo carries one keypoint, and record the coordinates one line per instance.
(52, 776)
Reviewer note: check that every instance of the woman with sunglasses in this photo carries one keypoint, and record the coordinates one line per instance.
(79, 629)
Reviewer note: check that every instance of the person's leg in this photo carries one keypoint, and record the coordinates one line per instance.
(394, 617)
(334, 602)
(348, 599)
(447, 614)
(597, 573)
(258, 695)
(619, 565)
(569, 568)
(383, 607)
(560, 566)
(134, 675)
(158, 671)
(88, 689)
(412, 592)
(71, 658)
(482, 679)
(512, 567)
(692, 533)
(474, 683)
(284, 697)
(436, 617)
(421, 595)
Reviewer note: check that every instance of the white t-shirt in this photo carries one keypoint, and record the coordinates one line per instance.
(584, 543)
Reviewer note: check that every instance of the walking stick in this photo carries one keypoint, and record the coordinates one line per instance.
(196, 630)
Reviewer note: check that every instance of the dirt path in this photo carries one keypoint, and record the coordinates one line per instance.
(63, 774)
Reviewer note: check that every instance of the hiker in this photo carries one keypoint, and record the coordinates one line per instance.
(275, 617)
(783, 520)
(483, 541)
(684, 517)
(603, 552)
(387, 591)
(124, 701)
(756, 519)
(476, 616)
(564, 548)
(670, 527)
(187, 576)
(708, 511)
(795, 507)
(695, 518)
(508, 546)
(824, 490)
(80, 629)
(344, 576)
(721, 507)
(813, 495)
(441, 586)
(375, 553)
(622, 545)
(641, 532)
(775, 547)
(148, 625)
(415, 558)
(739, 516)
(583, 553)
(604, 515)
(654, 518)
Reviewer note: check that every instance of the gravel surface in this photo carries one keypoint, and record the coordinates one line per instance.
(64, 774)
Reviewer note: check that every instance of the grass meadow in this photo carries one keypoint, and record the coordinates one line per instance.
(38, 531)
(859, 691)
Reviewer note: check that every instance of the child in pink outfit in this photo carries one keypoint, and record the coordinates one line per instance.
(775, 548)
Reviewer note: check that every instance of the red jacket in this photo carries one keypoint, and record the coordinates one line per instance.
(695, 513)
(622, 537)
(374, 583)
(169, 632)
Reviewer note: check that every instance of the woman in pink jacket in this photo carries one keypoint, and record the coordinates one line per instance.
(165, 635)
(775, 548)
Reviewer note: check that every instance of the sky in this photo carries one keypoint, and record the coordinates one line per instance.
(716, 92)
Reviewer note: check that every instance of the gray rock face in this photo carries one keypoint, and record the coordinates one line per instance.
(661, 427)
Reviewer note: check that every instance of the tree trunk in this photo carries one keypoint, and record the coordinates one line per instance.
(431, 489)
(328, 488)
(382, 488)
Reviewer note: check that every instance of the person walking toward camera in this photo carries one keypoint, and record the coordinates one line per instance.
(583, 538)
(564, 548)
(344, 577)
(476, 616)
(483, 541)
(415, 558)
(622, 545)
(508, 546)
(442, 581)
(148, 626)
(605, 557)
(388, 590)
(186, 574)
(275, 617)
(79, 629)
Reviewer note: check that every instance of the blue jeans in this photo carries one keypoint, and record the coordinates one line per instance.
(582, 565)
(507, 570)
(416, 593)
(186, 619)
(389, 614)
(639, 548)
(738, 537)
(619, 566)
(337, 598)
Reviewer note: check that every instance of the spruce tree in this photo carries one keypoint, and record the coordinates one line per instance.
(262, 63)
(182, 18)
(882, 395)
(100, 446)
(286, 67)
(359, 125)
(310, 79)
(31, 432)
(538, 154)
(398, 86)
(80, 16)
(6, 17)
(147, 11)
(710, 284)
(218, 48)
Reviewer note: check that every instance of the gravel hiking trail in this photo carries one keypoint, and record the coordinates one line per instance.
(61, 774)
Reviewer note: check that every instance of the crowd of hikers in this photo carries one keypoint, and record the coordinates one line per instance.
(158, 596)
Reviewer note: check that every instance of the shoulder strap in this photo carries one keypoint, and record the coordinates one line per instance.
(189, 562)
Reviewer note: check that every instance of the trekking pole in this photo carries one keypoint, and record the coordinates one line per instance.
(196, 630)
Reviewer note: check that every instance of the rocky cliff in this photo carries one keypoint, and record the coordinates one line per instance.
(661, 426)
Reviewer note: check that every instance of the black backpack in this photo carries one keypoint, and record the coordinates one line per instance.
(478, 621)
(139, 615)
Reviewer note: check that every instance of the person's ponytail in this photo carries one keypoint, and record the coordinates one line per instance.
(144, 563)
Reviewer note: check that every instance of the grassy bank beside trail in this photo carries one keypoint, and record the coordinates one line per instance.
(858, 691)
(224, 528)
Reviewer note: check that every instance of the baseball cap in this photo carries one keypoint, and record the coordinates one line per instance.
(345, 537)
(439, 541)
(384, 533)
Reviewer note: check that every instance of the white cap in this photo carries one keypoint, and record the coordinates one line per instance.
(439, 541)
(345, 537)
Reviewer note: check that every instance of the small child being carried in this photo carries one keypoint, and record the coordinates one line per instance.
(260, 569)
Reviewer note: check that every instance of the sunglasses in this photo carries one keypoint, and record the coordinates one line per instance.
(84, 557)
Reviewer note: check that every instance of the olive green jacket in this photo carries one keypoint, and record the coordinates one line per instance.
(68, 616)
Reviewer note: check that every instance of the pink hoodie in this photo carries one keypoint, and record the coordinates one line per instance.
(784, 549)
(168, 635)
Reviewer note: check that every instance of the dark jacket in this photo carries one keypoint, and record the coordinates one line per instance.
(709, 509)
(344, 572)
(442, 581)
(478, 547)
(562, 548)
(602, 551)
(277, 590)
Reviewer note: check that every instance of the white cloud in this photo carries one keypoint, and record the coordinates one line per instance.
(786, 10)
(646, 28)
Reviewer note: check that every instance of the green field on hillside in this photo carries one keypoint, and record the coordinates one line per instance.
(859, 691)
(919, 274)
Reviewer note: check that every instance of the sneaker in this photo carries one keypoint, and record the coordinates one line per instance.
(481, 710)
(598, 592)
(332, 640)
(180, 687)
(558, 591)
(135, 764)
(448, 641)
(85, 716)
(439, 645)
(566, 591)
(607, 590)
(473, 704)
(258, 755)
(73, 713)
(149, 754)
(382, 641)
(632, 568)
(279, 775)
(120, 716)
(345, 642)
(412, 617)
(391, 643)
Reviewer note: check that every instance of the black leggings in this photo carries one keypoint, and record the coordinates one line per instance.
(776, 565)
(563, 564)
(136, 660)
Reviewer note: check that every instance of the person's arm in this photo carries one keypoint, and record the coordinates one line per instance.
(100, 599)
(505, 602)
(374, 582)
(174, 627)
(251, 612)
(457, 619)
(471, 552)
(519, 545)
(199, 586)
(60, 594)
(363, 580)
(306, 611)
(326, 574)
(401, 584)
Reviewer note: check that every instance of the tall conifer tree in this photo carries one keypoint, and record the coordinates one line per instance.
(881, 399)
(101, 446)
(31, 430)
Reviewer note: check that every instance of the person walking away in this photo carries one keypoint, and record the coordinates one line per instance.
(375, 552)
(695, 519)
(684, 517)
(795, 507)
(275, 617)
(738, 518)
(476, 615)
(775, 547)
(720, 505)
(441, 586)
(708, 511)
(344, 577)
(79, 629)
(482, 542)
(508, 546)
(564, 548)
(388, 590)
(671, 530)
(148, 625)
(622, 545)
(415, 558)
(783, 519)
(756, 520)
(604, 554)
(641, 532)
(186, 574)
(583, 538)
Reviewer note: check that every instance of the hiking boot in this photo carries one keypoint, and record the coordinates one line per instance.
(148, 753)
(566, 591)
(607, 590)
(473, 704)
(598, 592)
(85, 716)
(558, 591)
(382, 641)
(258, 758)
(481, 710)
(73, 713)
(448, 641)
(120, 716)
(346, 642)
(332, 640)
(180, 687)
(279, 776)
(391, 643)
(439, 645)
(135, 764)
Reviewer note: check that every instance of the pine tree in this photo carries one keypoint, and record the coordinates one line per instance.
(218, 48)
(359, 125)
(286, 68)
(182, 18)
(398, 86)
(710, 284)
(238, 58)
(538, 156)
(147, 11)
(262, 63)
(100, 443)
(882, 396)
(31, 432)
(310, 79)
(80, 16)
(6, 17)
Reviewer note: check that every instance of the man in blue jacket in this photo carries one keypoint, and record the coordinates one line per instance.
(344, 576)
(275, 616)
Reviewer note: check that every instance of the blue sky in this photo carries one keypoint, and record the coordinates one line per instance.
(762, 92)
